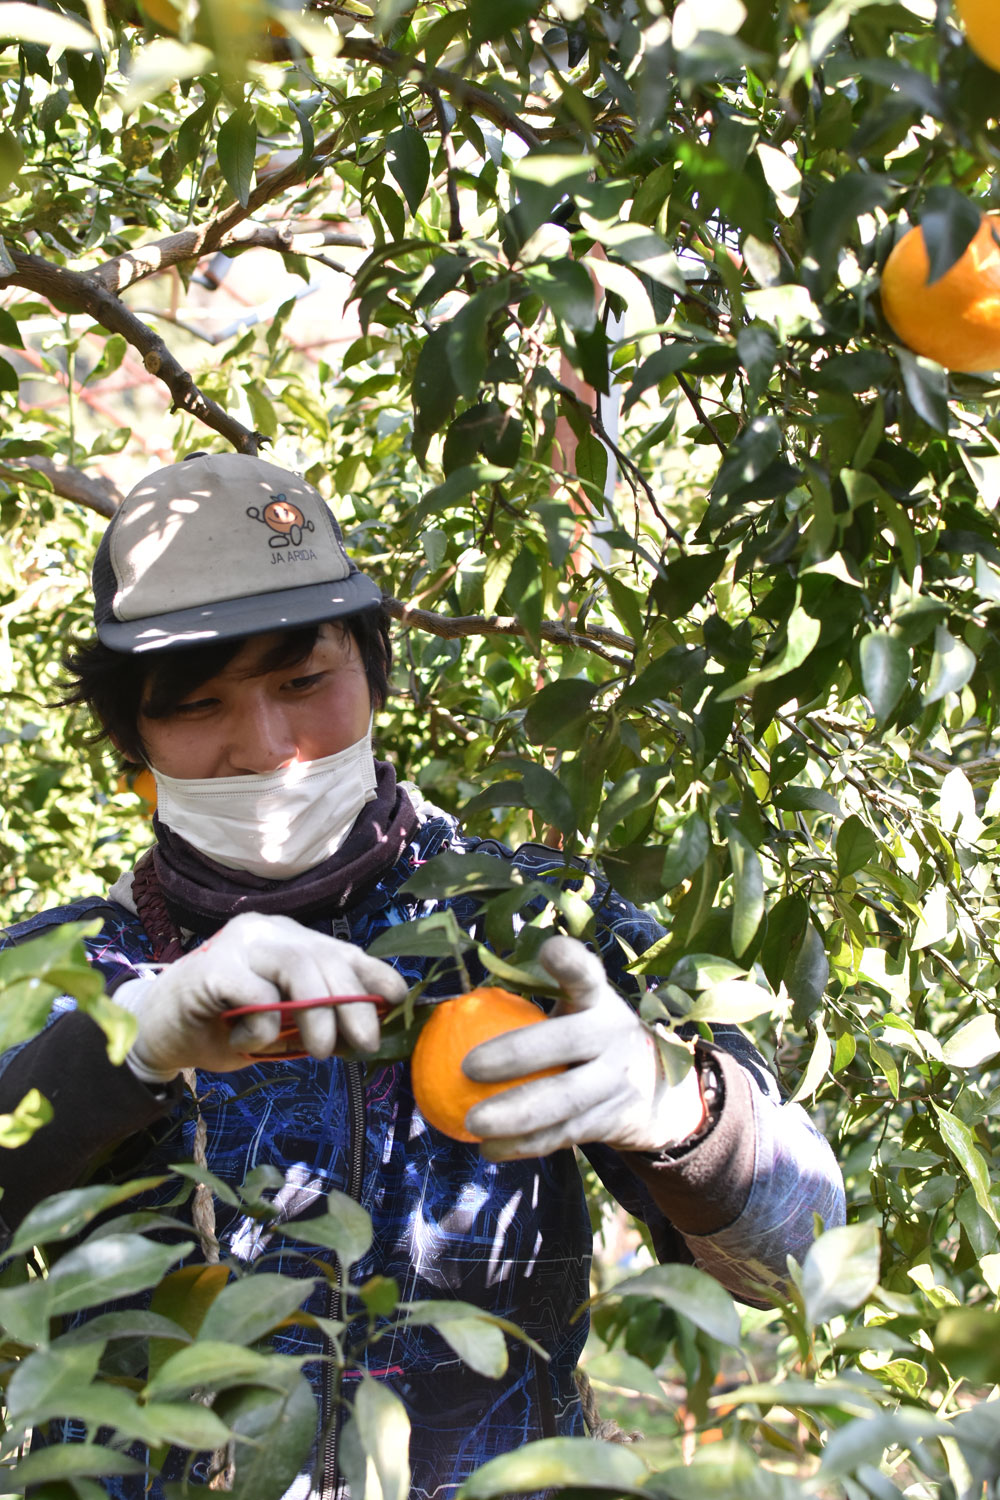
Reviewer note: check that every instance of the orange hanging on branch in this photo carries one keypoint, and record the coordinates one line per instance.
(955, 319)
(981, 20)
(443, 1093)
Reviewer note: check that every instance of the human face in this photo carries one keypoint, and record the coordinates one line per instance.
(246, 720)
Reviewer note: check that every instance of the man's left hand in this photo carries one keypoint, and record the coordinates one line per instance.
(615, 1088)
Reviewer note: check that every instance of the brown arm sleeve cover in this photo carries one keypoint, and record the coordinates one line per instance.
(704, 1187)
(95, 1104)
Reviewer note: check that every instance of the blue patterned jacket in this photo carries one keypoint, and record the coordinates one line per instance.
(513, 1238)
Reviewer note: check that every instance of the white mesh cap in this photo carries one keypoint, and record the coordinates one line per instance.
(218, 546)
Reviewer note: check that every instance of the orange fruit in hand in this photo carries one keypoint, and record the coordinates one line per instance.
(443, 1093)
(981, 20)
(956, 319)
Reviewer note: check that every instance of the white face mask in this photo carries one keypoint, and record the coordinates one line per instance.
(275, 825)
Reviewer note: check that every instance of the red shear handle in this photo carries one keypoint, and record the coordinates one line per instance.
(280, 1048)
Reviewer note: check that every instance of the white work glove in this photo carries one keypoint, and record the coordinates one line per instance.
(253, 960)
(615, 1088)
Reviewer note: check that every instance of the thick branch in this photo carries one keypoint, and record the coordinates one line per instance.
(428, 79)
(91, 490)
(453, 627)
(195, 241)
(60, 285)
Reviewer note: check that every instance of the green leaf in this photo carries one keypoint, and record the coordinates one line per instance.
(952, 665)
(30, 1115)
(64, 1215)
(967, 1341)
(857, 846)
(567, 288)
(491, 18)
(591, 461)
(213, 1365)
(690, 1292)
(560, 707)
(863, 1442)
(689, 846)
(379, 1436)
(973, 1044)
(345, 1228)
(808, 799)
(476, 1337)
(116, 1265)
(840, 1271)
(962, 1144)
(637, 791)
(731, 1000)
(835, 212)
(409, 161)
(748, 456)
(452, 874)
(748, 891)
(558, 1463)
(546, 795)
(885, 671)
(807, 973)
(624, 1372)
(112, 356)
(10, 332)
(818, 1066)
(34, 973)
(236, 144)
(275, 1431)
(246, 1310)
(436, 936)
(67, 1461)
(926, 387)
(949, 222)
(656, 368)
(686, 581)
(468, 336)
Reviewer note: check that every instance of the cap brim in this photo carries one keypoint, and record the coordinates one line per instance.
(231, 618)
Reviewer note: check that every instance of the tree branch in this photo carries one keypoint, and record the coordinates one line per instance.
(93, 491)
(429, 79)
(125, 270)
(60, 285)
(454, 627)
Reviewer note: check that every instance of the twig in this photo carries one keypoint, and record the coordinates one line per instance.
(632, 471)
(93, 491)
(448, 147)
(454, 627)
(60, 285)
(700, 411)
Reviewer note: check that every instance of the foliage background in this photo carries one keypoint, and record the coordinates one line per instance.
(730, 630)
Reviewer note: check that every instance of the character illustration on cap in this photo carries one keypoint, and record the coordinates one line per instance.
(286, 521)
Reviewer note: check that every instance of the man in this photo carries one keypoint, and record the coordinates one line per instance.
(241, 655)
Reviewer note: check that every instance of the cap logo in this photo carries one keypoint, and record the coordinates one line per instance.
(284, 520)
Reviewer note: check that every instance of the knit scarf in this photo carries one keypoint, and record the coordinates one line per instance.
(177, 888)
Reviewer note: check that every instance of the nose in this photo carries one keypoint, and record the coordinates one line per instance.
(260, 739)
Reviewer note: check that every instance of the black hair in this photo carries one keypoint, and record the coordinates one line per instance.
(116, 686)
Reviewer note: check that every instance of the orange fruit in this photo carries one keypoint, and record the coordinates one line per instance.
(956, 319)
(443, 1093)
(144, 786)
(141, 783)
(981, 19)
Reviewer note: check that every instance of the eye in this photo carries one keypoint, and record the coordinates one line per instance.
(193, 706)
(304, 683)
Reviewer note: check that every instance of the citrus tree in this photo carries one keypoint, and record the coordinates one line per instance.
(656, 423)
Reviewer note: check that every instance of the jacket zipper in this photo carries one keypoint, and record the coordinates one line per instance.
(331, 1415)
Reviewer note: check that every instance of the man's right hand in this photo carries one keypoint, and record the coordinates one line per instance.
(253, 960)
